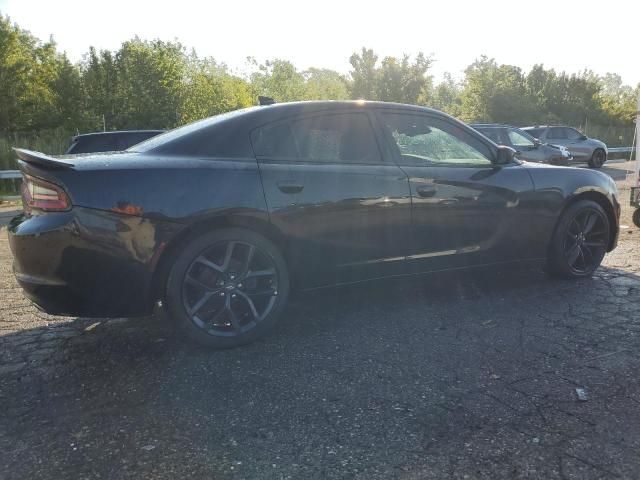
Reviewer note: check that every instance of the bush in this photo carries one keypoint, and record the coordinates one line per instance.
(53, 142)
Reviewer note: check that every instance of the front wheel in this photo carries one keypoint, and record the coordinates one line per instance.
(227, 288)
(580, 241)
(598, 158)
(636, 217)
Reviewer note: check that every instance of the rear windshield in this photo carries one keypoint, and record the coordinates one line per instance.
(91, 144)
(535, 132)
(179, 132)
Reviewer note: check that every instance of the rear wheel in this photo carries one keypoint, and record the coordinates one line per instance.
(580, 240)
(598, 158)
(227, 288)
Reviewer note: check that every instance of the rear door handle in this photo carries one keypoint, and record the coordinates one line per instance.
(286, 187)
(426, 191)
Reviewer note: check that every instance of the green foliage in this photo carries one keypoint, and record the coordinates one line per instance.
(394, 80)
(44, 98)
(325, 84)
(54, 141)
(446, 96)
(364, 75)
(209, 90)
(278, 79)
(27, 73)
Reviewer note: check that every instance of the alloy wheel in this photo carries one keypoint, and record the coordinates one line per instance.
(229, 288)
(585, 241)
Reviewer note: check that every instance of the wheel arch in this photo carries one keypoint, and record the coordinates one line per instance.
(253, 222)
(603, 150)
(602, 200)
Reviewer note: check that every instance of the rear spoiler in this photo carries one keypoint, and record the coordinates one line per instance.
(42, 159)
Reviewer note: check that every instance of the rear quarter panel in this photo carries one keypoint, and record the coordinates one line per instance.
(175, 189)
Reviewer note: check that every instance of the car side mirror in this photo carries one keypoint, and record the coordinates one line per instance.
(505, 155)
(583, 137)
(536, 143)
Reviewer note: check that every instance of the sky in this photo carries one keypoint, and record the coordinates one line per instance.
(563, 34)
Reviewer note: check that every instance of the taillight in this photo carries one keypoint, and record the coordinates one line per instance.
(43, 195)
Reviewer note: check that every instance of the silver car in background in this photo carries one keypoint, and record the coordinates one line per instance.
(582, 148)
(527, 147)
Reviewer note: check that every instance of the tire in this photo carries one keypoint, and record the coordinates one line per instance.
(580, 241)
(227, 288)
(597, 158)
(636, 217)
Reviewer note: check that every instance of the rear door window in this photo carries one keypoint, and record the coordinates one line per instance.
(335, 138)
(492, 133)
(557, 133)
(535, 132)
(275, 141)
(572, 134)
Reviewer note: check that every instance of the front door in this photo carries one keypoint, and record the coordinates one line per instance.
(525, 147)
(344, 209)
(466, 209)
(572, 139)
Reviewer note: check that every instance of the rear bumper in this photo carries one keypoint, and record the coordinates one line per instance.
(87, 262)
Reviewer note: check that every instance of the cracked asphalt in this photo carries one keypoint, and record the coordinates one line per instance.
(470, 375)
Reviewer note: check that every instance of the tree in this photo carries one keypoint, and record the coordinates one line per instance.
(280, 80)
(150, 78)
(325, 84)
(100, 85)
(398, 80)
(69, 99)
(209, 89)
(446, 96)
(27, 73)
(394, 80)
(364, 75)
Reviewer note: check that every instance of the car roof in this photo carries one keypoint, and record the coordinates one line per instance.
(492, 125)
(227, 132)
(311, 106)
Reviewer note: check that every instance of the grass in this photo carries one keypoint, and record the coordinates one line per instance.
(49, 141)
(53, 142)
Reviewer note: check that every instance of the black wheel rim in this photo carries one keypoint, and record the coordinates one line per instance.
(230, 288)
(586, 241)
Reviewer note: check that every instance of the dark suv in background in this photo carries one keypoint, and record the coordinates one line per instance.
(582, 148)
(527, 147)
(109, 141)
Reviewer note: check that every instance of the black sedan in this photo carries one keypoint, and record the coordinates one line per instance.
(219, 219)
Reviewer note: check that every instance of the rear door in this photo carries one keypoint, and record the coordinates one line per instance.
(344, 206)
(466, 209)
(577, 144)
